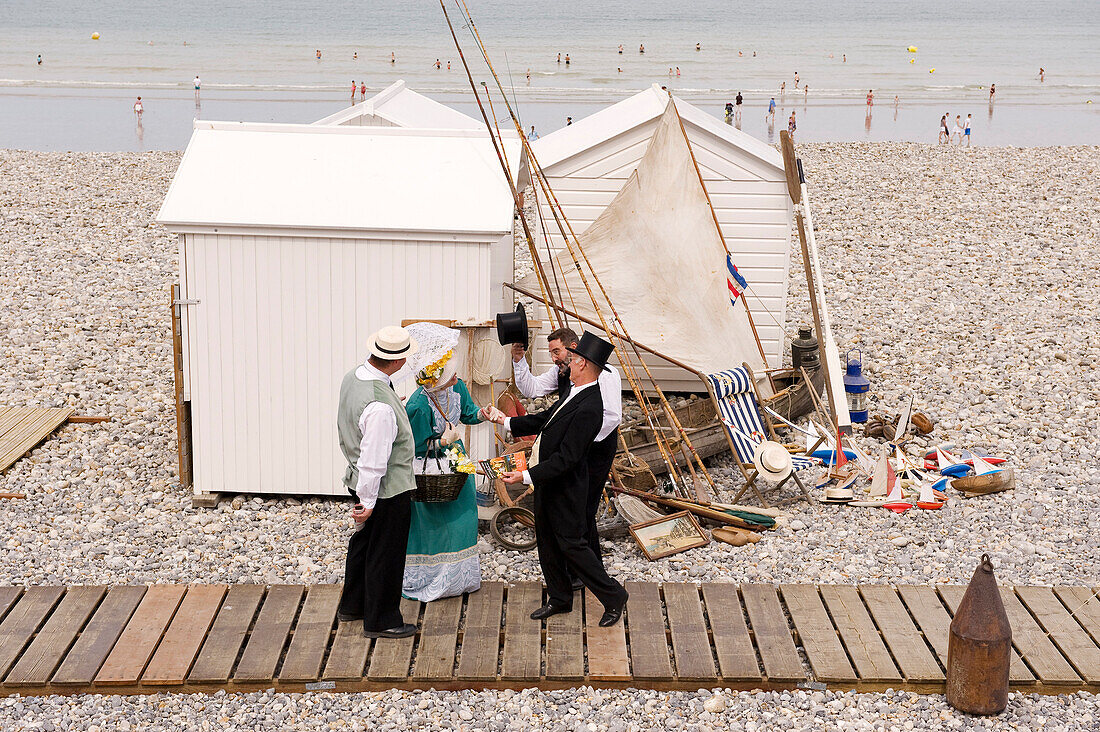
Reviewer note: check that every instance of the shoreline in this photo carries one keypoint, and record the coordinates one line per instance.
(100, 119)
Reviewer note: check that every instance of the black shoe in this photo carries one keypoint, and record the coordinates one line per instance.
(401, 631)
(577, 585)
(550, 609)
(344, 617)
(611, 615)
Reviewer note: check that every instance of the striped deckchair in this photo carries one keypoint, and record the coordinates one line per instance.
(735, 394)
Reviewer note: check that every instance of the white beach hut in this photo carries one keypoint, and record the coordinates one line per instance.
(588, 162)
(399, 106)
(295, 243)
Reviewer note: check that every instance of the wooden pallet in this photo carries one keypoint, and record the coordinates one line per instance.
(22, 428)
(201, 638)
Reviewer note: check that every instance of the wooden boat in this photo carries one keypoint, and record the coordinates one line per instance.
(792, 398)
(700, 421)
(979, 485)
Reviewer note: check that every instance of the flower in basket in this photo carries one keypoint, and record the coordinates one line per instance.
(430, 373)
(460, 461)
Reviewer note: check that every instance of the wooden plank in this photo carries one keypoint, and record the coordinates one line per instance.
(265, 644)
(817, 634)
(1071, 639)
(732, 642)
(28, 434)
(348, 657)
(607, 656)
(98, 638)
(45, 652)
(645, 622)
(481, 638)
(906, 643)
(931, 616)
(142, 635)
(20, 423)
(391, 657)
(773, 635)
(522, 656)
(185, 635)
(1035, 647)
(690, 644)
(1018, 673)
(10, 417)
(22, 622)
(311, 635)
(435, 656)
(565, 643)
(8, 596)
(1081, 602)
(226, 636)
(865, 647)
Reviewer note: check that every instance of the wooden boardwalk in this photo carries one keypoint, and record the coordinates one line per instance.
(188, 638)
(21, 428)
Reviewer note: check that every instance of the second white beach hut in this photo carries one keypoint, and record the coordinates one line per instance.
(296, 242)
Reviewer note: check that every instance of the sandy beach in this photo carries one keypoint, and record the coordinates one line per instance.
(966, 277)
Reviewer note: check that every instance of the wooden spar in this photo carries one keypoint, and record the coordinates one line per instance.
(701, 510)
(794, 189)
(718, 229)
(516, 197)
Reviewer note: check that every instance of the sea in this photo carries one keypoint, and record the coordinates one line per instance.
(258, 61)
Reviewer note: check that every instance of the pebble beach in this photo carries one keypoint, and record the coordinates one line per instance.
(966, 277)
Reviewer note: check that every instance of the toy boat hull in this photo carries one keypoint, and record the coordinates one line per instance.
(980, 485)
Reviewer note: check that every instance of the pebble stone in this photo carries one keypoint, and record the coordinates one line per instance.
(966, 279)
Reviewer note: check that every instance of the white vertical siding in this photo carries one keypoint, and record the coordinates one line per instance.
(749, 198)
(281, 320)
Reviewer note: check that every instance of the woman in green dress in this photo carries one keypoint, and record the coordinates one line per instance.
(442, 558)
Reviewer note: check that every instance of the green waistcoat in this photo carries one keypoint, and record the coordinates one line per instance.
(355, 395)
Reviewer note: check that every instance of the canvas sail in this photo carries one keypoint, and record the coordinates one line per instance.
(660, 258)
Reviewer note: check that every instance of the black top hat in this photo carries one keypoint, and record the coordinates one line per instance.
(512, 327)
(594, 349)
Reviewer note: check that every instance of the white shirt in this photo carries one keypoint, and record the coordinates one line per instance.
(378, 424)
(572, 393)
(611, 389)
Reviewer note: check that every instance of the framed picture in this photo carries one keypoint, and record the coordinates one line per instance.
(667, 535)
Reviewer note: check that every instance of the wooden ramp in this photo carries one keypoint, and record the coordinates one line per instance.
(202, 638)
(22, 428)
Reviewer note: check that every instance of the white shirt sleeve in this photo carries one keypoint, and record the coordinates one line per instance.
(532, 386)
(379, 426)
(611, 390)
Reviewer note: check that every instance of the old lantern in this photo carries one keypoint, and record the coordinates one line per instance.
(804, 351)
(856, 386)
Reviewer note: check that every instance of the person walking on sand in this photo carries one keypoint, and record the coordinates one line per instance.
(393, 57)
(377, 441)
(771, 110)
(362, 90)
(806, 92)
(791, 125)
(568, 121)
(532, 135)
(197, 82)
(992, 92)
(738, 101)
(966, 130)
(870, 97)
(353, 88)
(796, 80)
(782, 89)
(958, 132)
(944, 134)
(139, 108)
(39, 59)
(528, 76)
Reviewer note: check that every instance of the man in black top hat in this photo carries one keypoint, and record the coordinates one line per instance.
(610, 383)
(559, 473)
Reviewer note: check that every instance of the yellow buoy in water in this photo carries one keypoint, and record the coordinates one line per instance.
(912, 49)
(912, 60)
(95, 36)
(932, 70)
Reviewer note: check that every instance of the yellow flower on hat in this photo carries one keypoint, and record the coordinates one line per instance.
(430, 373)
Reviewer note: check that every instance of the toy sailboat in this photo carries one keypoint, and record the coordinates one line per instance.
(903, 423)
(949, 466)
(895, 500)
(982, 467)
(883, 478)
(825, 451)
(926, 499)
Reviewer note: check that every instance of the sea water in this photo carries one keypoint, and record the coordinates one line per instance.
(257, 61)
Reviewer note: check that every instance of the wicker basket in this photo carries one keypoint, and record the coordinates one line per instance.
(438, 488)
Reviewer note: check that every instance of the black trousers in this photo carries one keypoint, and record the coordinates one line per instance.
(375, 565)
(600, 457)
(564, 553)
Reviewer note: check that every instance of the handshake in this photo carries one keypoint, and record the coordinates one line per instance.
(492, 414)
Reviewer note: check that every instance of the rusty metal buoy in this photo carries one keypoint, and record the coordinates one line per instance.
(979, 647)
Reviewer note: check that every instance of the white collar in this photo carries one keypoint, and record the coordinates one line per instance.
(367, 372)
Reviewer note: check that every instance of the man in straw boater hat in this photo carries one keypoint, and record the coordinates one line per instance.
(377, 441)
(556, 379)
(559, 473)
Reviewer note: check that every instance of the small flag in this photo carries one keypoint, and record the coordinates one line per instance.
(737, 283)
(840, 458)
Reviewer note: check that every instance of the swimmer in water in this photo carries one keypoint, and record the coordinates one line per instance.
(139, 108)
(559, 58)
(641, 48)
(698, 47)
(567, 59)
(448, 66)
(39, 59)
(355, 56)
(197, 82)
(992, 91)
(363, 90)
(870, 97)
(677, 70)
(796, 80)
(528, 76)
(568, 121)
(1042, 72)
(438, 65)
(318, 53)
(620, 49)
(620, 69)
(393, 58)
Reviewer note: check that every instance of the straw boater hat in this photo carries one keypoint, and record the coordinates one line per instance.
(772, 461)
(392, 343)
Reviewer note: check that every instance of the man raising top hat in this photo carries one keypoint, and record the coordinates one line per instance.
(556, 379)
(559, 473)
(377, 441)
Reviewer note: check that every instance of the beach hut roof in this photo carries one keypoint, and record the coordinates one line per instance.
(399, 106)
(332, 179)
(640, 109)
